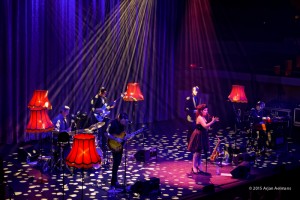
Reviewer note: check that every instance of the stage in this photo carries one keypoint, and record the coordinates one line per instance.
(158, 166)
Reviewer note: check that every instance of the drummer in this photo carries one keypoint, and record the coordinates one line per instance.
(62, 126)
(257, 115)
(60, 122)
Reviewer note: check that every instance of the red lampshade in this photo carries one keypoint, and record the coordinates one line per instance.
(237, 94)
(39, 122)
(83, 153)
(39, 100)
(133, 93)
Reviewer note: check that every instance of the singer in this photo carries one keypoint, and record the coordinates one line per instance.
(199, 139)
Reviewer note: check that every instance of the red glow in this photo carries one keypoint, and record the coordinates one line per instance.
(193, 65)
(39, 122)
(133, 93)
(237, 94)
(83, 153)
(40, 100)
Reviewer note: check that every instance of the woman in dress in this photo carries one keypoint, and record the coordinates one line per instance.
(199, 140)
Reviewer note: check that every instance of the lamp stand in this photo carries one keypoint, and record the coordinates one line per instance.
(40, 163)
(82, 183)
(236, 121)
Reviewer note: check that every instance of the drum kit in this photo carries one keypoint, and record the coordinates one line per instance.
(59, 142)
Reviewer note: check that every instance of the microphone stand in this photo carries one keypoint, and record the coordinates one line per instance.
(125, 166)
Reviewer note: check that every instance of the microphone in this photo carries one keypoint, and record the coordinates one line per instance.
(128, 121)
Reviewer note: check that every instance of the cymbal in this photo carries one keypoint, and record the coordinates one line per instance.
(97, 125)
(80, 131)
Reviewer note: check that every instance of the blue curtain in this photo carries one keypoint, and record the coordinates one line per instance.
(50, 45)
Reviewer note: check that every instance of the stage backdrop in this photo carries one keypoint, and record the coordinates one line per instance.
(72, 48)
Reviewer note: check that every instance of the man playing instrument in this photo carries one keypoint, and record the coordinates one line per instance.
(100, 101)
(258, 126)
(99, 105)
(115, 129)
(60, 121)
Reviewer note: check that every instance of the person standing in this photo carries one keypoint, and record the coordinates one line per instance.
(199, 139)
(191, 102)
(116, 133)
(101, 109)
(100, 106)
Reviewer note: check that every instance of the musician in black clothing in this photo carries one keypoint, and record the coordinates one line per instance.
(191, 102)
(258, 125)
(257, 113)
(99, 108)
(100, 103)
(115, 131)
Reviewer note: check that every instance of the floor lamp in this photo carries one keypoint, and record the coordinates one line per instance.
(83, 154)
(237, 95)
(133, 94)
(39, 121)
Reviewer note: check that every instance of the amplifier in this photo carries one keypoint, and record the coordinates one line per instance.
(146, 154)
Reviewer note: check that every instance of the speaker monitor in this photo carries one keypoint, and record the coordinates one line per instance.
(241, 171)
(146, 154)
(146, 186)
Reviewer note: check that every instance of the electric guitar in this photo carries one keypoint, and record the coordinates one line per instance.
(101, 113)
(116, 146)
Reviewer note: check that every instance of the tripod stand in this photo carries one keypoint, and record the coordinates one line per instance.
(62, 140)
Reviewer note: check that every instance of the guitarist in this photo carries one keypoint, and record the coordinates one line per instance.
(115, 129)
(99, 101)
(97, 104)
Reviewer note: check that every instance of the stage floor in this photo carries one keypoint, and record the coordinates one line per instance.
(169, 163)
